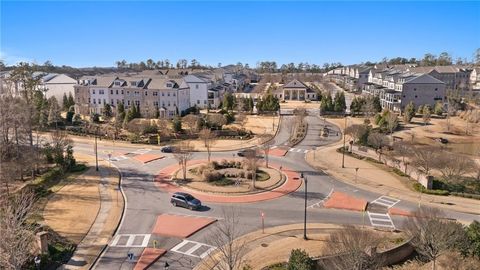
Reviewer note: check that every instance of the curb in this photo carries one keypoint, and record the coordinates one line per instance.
(102, 252)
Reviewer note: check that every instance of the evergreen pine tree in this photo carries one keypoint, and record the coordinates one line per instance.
(71, 101)
(65, 103)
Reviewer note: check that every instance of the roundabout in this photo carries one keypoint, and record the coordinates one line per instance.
(275, 183)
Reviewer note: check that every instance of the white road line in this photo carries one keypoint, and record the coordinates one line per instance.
(379, 220)
(273, 147)
(305, 151)
(386, 201)
(299, 150)
(195, 247)
(131, 240)
(291, 150)
(317, 204)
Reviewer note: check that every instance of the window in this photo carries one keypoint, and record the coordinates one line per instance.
(117, 83)
(169, 85)
(89, 101)
(174, 94)
(436, 89)
(169, 104)
(111, 91)
(196, 86)
(146, 93)
(404, 96)
(123, 101)
(133, 83)
(204, 102)
(104, 102)
(416, 96)
(198, 101)
(155, 94)
(174, 104)
(163, 94)
(116, 92)
(101, 92)
(111, 102)
(168, 94)
(128, 102)
(93, 91)
(118, 101)
(122, 92)
(414, 89)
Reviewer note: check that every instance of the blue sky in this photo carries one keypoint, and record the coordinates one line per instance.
(99, 33)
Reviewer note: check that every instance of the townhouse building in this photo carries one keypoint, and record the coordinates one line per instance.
(295, 90)
(169, 96)
(454, 77)
(396, 88)
(51, 84)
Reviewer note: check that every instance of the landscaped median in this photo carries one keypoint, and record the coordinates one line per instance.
(279, 183)
(91, 198)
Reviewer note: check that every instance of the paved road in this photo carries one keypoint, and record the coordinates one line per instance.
(145, 201)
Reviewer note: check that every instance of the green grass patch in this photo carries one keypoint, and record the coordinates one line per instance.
(262, 176)
(399, 172)
(223, 182)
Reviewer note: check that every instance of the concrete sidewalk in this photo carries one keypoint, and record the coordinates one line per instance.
(375, 178)
(106, 221)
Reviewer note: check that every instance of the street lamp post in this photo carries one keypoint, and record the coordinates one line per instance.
(344, 137)
(96, 151)
(305, 209)
(356, 172)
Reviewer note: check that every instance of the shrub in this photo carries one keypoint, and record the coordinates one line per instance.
(399, 172)
(249, 175)
(150, 129)
(299, 260)
(215, 165)
(241, 174)
(212, 176)
(418, 187)
(466, 195)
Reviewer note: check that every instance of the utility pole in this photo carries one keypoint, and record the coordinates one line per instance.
(305, 209)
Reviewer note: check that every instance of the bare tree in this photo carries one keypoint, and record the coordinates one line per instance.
(404, 150)
(17, 232)
(432, 235)
(424, 158)
(300, 114)
(453, 165)
(356, 131)
(392, 122)
(230, 249)
(208, 137)
(183, 153)
(355, 248)
(266, 144)
(378, 141)
(216, 120)
(191, 121)
(251, 158)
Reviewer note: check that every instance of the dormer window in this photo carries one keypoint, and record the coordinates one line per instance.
(117, 83)
(133, 83)
(169, 85)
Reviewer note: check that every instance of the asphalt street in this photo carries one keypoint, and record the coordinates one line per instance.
(145, 201)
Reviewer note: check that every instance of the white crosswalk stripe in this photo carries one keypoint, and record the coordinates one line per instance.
(119, 158)
(298, 150)
(194, 249)
(380, 220)
(386, 201)
(130, 240)
(273, 147)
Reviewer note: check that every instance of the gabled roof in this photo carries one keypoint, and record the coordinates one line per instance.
(295, 84)
(424, 79)
(194, 79)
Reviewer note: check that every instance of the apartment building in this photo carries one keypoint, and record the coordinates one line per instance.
(454, 77)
